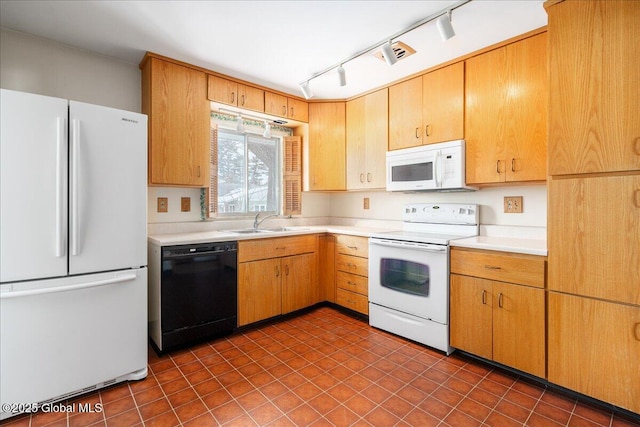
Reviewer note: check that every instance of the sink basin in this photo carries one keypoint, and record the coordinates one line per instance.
(287, 228)
(251, 231)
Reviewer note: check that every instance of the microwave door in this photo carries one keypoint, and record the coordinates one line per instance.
(407, 174)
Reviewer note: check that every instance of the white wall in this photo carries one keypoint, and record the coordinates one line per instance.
(388, 206)
(33, 64)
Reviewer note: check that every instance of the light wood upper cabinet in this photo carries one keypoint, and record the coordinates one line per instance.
(174, 98)
(282, 106)
(493, 318)
(427, 109)
(233, 93)
(594, 348)
(405, 114)
(594, 92)
(367, 130)
(327, 122)
(443, 104)
(506, 92)
(594, 244)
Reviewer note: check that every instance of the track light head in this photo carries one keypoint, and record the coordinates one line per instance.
(388, 53)
(444, 26)
(306, 90)
(342, 76)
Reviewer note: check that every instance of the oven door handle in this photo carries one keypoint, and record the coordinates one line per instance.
(410, 245)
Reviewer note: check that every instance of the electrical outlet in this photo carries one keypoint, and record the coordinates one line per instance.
(365, 203)
(185, 204)
(513, 204)
(163, 204)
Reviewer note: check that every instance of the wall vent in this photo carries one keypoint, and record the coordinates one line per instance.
(400, 49)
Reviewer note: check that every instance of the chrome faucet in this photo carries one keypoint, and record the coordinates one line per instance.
(257, 223)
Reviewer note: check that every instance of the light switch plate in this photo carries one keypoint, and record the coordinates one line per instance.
(163, 204)
(513, 204)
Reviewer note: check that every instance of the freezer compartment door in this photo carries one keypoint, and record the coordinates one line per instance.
(63, 335)
(107, 190)
(33, 186)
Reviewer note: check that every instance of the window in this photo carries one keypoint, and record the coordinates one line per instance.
(249, 176)
(250, 173)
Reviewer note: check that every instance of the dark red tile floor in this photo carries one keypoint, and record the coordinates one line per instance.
(325, 368)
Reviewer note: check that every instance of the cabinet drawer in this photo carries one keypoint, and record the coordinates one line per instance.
(352, 245)
(352, 282)
(276, 247)
(352, 264)
(355, 302)
(514, 268)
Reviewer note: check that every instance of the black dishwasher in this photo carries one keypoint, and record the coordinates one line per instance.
(199, 292)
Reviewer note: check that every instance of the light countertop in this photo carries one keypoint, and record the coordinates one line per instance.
(524, 240)
(224, 235)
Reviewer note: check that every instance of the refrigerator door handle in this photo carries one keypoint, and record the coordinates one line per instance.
(32, 292)
(60, 187)
(75, 156)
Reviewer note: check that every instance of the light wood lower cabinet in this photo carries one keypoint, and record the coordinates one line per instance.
(594, 348)
(498, 320)
(276, 276)
(352, 271)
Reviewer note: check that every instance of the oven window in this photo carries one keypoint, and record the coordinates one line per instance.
(405, 276)
(412, 172)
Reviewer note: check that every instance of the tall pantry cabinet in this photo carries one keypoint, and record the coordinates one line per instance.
(594, 199)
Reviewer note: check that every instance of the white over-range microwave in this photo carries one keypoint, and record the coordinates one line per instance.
(433, 167)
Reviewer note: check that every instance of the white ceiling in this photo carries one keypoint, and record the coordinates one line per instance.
(275, 43)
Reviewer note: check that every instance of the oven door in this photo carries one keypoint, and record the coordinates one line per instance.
(410, 277)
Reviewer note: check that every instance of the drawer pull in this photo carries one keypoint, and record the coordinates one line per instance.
(277, 271)
(636, 331)
(369, 177)
(484, 297)
(355, 248)
(500, 300)
(498, 166)
(280, 248)
(513, 165)
(636, 198)
(417, 133)
(286, 270)
(492, 267)
(362, 178)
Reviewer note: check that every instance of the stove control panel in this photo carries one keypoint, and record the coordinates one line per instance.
(441, 213)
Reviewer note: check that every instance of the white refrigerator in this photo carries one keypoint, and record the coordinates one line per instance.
(73, 276)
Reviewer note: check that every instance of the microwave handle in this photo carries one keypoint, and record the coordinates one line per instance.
(437, 170)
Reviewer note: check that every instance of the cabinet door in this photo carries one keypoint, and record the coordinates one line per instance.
(471, 315)
(594, 244)
(356, 150)
(594, 348)
(376, 138)
(327, 268)
(485, 127)
(275, 104)
(526, 109)
(222, 90)
(297, 110)
(405, 114)
(259, 290)
(519, 327)
(443, 104)
(250, 98)
(175, 98)
(594, 90)
(327, 146)
(299, 289)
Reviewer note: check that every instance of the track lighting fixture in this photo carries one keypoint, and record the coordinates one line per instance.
(388, 54)
(342, 76)
(444, 26)
(267, 130)
(306, 90)
(443, 22)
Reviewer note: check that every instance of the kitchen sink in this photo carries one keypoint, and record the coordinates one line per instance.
(251, 231)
